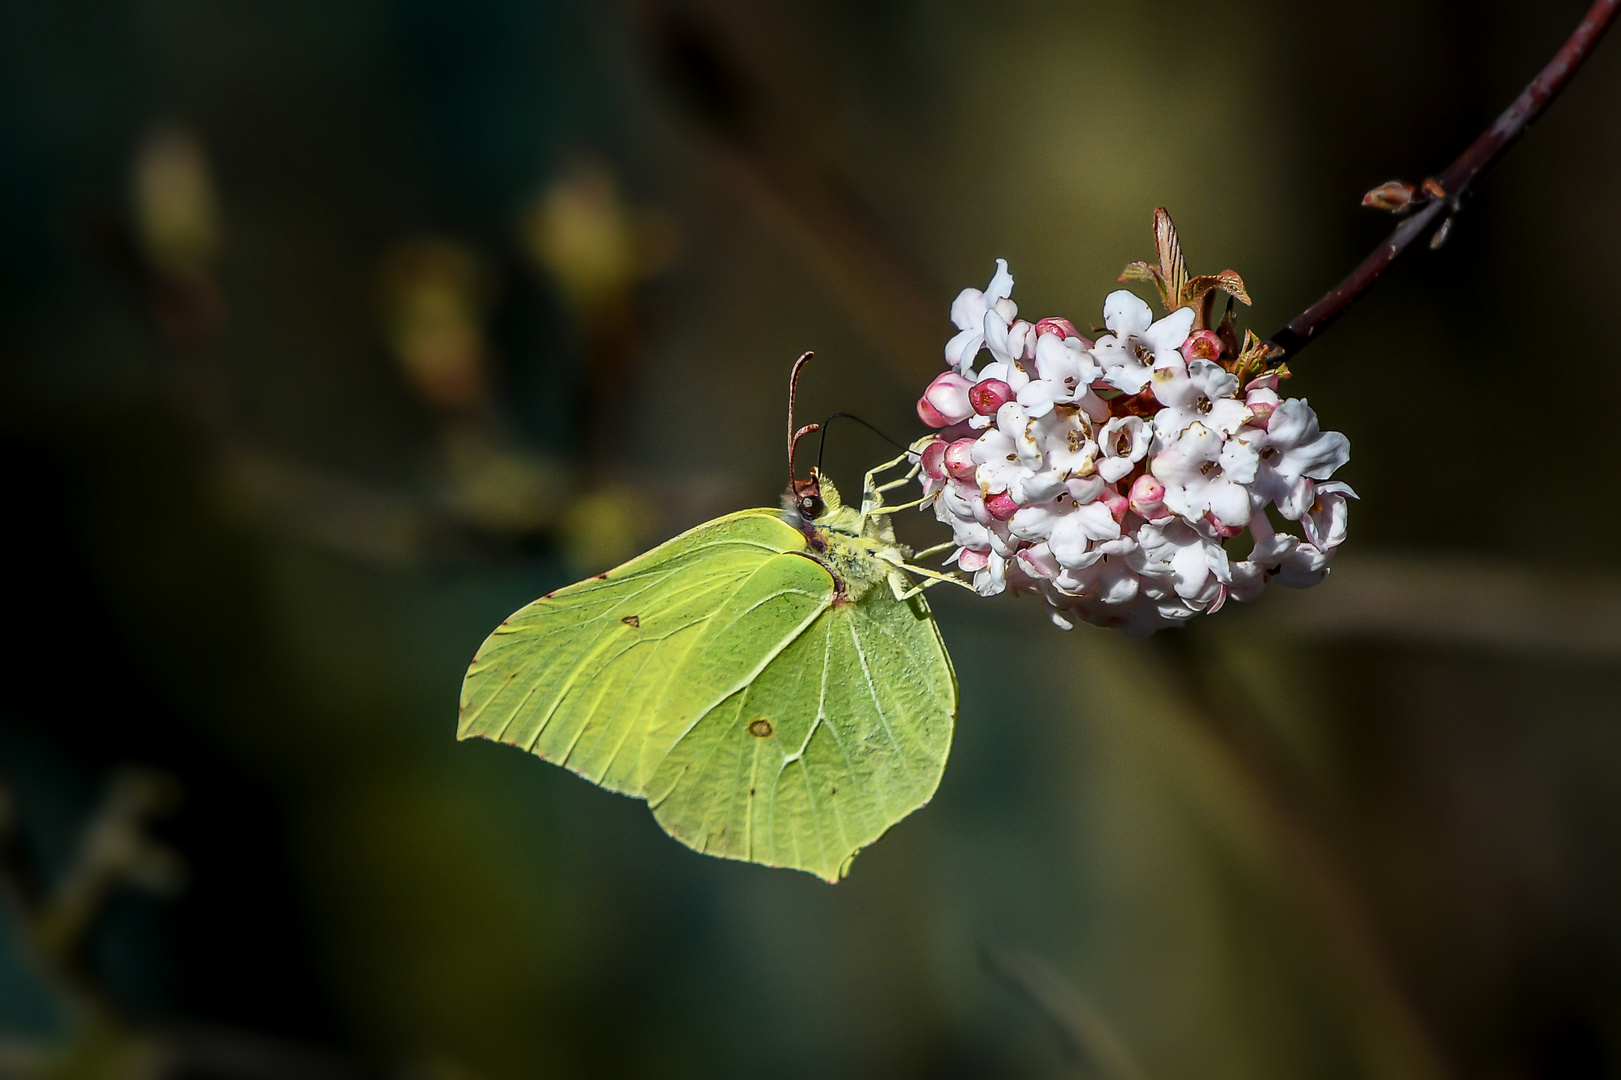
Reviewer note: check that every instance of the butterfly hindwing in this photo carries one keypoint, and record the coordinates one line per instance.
(844, 733)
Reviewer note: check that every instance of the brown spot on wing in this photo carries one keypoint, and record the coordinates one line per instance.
(631, 621)
(761, 728)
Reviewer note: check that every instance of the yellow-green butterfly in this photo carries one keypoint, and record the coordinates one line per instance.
(771, 682)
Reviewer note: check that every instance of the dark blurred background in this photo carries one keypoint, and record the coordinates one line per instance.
(332, 333)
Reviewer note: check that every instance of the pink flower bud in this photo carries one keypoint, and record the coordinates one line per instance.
(1117, 503)
(1201, 345)
(1062, 327)
(945, 402)
(1001, 506)
(988, 395)
(971, 560)
(934, 460)
(930, 415)
(1224, 531)
(1148, 497)
(1262, 404)
(959, 460)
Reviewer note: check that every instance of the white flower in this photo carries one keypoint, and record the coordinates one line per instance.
(1008, 339)
(1068, 525)
(1325, 522)
(1068, 441)
(968, 312)
(1074, 532)
(1108, 581)
(998, 460)
(1013, 421)
(1037, 562)
(1066, 371)
(1251, 574)
(1135, 347)
(1199, 392)
(1124, 441)
(1196, 566)
(1293, 453)
(1034, 493)
(1031, 488)
(1204, 473)
(992, 579)
(1302, 568)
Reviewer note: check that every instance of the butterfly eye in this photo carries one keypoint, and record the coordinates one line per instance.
(811, 506)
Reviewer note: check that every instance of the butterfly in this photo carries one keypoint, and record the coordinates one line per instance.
(772, 682)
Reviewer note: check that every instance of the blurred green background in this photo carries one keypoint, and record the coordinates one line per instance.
(332, 333)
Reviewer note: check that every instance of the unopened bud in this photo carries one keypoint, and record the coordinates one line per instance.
(1148, 497)
(933, 460)
(1262, 403)
(945, 402)
(1391, 196)
(1202, 345)
(1001, 506)
(958, 460)
(1117, 503)
(1062, 327)
(988, 395)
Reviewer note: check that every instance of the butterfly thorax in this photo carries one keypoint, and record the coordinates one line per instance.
(860, 552)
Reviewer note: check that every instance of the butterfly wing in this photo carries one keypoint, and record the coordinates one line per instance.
(843, 732)
(716, 677)
(582, 676)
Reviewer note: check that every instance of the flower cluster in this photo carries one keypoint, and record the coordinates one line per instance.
(1116, 477)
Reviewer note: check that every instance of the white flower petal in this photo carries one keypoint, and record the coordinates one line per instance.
(1170, 332)
(962, 349)
(1229, 503)
(1317, 458)
(1125, 313)
(968, 310)
(1001, 286)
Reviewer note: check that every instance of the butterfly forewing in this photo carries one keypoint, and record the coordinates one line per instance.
(579, 677)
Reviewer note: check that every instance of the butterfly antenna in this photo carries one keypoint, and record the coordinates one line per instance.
(821, 444)
(794, 435)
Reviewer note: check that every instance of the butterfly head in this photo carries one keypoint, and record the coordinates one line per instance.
(815, 500)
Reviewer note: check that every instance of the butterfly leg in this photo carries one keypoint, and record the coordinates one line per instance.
(870, 483)
(917, 466)
(875, 511)
(871, 493)
(935, 550)
(907, 479)
(904, 589)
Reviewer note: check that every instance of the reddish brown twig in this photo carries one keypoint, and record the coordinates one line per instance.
(1456, 181)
